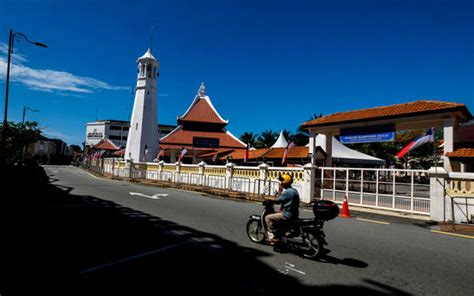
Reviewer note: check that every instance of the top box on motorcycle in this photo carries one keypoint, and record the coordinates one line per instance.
(325, 210)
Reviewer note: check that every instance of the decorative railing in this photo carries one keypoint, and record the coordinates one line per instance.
(260, 180)
(460, 185)
(190, 169)
(250, 173)
(387, 189)
(296, 173)
(215, 170)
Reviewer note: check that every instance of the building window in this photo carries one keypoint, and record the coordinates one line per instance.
(136, 126)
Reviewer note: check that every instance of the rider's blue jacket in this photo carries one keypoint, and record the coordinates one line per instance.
(290, 203)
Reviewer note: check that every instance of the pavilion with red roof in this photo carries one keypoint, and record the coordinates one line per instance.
(421, 114)
(201, 131)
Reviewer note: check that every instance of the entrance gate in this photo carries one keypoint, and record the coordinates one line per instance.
(388, 189)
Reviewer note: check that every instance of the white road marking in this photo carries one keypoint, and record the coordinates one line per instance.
(102, 266)
(287, 267)
(156, 196)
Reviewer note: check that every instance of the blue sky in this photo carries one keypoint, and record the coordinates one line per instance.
(266, 64)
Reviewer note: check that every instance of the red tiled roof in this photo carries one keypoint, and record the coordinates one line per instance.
(295, 152)
(106, 144)
(272, 153)
(386, 112)
(253, 154)
(201, 110)
(219, 151)
(180, 137)
(120, 152)
(462, 152)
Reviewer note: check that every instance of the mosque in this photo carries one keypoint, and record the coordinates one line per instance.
(201, 130)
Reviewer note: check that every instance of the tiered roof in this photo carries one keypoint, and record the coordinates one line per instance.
(201, 120)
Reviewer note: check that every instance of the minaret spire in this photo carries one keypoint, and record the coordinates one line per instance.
(151, 39)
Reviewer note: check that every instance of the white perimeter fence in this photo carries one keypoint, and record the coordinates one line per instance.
(410, 191)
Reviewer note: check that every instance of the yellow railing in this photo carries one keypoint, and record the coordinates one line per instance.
(297, 175)
(169, 168)
(460, 187)
(215, 171)
(246, 173)
(190, 170)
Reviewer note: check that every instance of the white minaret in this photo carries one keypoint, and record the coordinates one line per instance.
(143, 139)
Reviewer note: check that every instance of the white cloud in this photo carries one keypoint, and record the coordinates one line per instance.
(16, 57)
(50, 80)
(56, 135)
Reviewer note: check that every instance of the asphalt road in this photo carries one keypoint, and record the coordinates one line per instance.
(148, 240)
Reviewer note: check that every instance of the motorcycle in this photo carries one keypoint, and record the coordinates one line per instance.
(305, 236)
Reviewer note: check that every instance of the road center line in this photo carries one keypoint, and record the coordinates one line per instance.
(453, 234)
(373, 221)
(107, 265)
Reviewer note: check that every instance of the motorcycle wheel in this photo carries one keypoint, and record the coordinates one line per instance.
(313, 247)
(255, 231)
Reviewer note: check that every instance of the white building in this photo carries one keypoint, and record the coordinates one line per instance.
(116, 131)
(143, 140)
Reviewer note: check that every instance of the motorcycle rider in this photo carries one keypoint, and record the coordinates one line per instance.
(289, 210)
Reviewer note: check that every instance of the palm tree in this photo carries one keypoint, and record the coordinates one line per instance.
(249, 138)
(267, 139)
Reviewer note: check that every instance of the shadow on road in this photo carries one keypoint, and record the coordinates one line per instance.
(59, 243)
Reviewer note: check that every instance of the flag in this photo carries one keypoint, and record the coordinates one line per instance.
(246, 155)
(160, 154)
(285, 153)
(183, 152)
(214, 157)
(417, 142)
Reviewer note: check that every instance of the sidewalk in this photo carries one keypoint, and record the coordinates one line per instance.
(420, 220)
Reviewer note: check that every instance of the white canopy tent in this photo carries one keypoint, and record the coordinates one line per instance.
(343, 154)
(281, 142)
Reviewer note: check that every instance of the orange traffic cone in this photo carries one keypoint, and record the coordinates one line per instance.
(345, 208)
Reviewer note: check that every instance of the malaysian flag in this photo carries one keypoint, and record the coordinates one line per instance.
(417, 142)
(161, 153)
(182, 153)
(214, 157)
(285, 153)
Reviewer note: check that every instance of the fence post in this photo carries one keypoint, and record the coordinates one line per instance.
(229, 173)
(161, 165)
(308, 183)
(130, 169)
(263, 177)
(177, 172)
(202, 169)
(437, 190)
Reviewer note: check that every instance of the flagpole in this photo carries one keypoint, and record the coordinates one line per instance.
(435, 160)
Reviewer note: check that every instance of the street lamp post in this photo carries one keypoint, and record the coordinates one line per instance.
(25, 108)
(11, 40)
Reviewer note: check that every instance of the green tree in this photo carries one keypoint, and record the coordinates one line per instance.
(18, 136)
(249, 138)
(266, 139)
